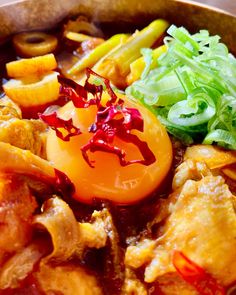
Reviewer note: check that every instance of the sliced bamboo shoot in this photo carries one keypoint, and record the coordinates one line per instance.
(92, 57)
(118, 63)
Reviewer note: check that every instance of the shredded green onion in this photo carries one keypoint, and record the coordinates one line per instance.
(222, 137)
(192, 90)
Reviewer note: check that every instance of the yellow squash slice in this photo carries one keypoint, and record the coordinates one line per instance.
(31, 66)
(33, 91)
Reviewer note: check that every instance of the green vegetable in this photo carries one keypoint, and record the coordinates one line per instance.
(222, 137)
(119, 60)
(97, 53)
(192, 90)
(149, 58)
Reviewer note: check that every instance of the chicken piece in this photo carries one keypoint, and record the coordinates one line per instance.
(94, 234)
(173, 284)
(215, 157)
(16, 208)
(69, 237)
(24, 134)
(201, 224)
(20, 265)
(136, 256)
(67, 280)
(219, 161)
(9, 109)
(59, 221)
(18, 161)
(132, 285)
(189, 169)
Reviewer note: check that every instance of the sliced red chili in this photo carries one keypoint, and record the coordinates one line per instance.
(195, 275)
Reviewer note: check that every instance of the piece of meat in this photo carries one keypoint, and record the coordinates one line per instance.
(69, 237)
(94, 234)
(201, 224)
(138, 255)
(215, 157)
(19, 161)
(72, 239)
(9, 109)
(67, 280)
(172, 284)
(16, 208)
(218, 160)
(24, 134)
(38, 173)
(132, 285)
(189, 169)
(20, 265)
(114, 259)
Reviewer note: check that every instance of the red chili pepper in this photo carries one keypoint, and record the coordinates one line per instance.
(196, 276)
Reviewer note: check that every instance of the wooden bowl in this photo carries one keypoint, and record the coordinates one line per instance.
(24, 15)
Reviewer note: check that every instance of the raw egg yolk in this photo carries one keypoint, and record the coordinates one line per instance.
(109, 180)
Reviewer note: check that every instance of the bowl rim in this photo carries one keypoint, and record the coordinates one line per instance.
(206, 6)
(7, 3)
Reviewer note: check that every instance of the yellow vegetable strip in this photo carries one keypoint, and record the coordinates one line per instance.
(122, 58)
(137, 66)
(31, 66)
(97, 68)
(91, 58)
(78, 37)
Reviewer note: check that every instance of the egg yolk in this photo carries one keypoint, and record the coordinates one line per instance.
(108, 179)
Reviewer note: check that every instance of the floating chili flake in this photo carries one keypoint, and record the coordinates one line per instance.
(193, 274)
(57, 123)
(113, 119)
